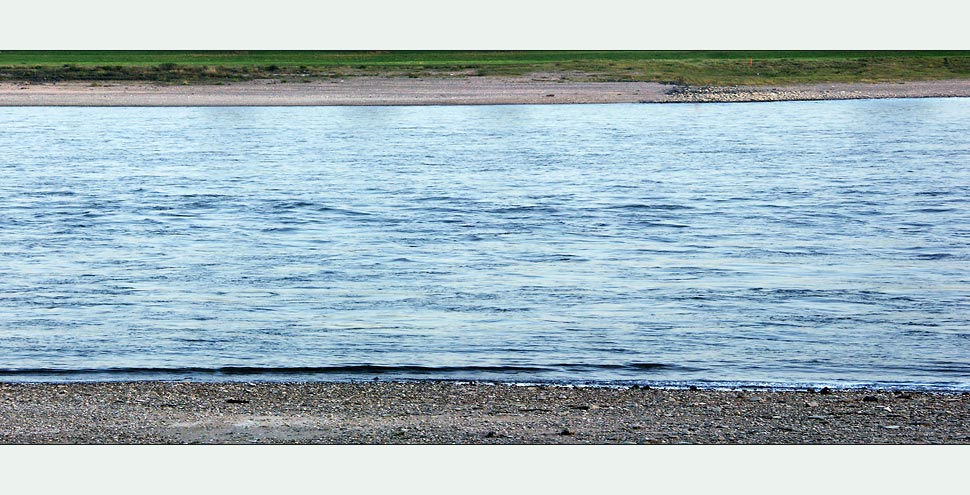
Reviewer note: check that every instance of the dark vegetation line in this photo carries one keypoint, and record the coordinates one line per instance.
(676, 67)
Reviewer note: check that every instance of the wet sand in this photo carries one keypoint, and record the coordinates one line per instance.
(469, 414)
(459, 90)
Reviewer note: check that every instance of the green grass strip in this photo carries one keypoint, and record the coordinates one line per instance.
(681, 67)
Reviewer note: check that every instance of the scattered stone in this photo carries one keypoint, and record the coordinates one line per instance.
(445, 413)
(870, 398)
(693, 388)
(825, 391)
(237, 401)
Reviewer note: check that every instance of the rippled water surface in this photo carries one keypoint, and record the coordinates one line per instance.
(777, 243)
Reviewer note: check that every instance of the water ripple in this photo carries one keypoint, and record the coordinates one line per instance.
(783, 244)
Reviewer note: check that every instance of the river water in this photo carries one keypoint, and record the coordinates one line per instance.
(776, 244)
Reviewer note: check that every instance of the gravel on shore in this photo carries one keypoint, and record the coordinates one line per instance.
(459, 90)
(833, 91)
(448, 413)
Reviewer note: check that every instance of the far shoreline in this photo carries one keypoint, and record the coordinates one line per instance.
(462, 90)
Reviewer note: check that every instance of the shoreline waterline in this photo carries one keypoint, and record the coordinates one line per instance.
(210, 377)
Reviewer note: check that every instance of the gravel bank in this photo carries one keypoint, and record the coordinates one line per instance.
(449, 413)
(843, 91)
(459, 90)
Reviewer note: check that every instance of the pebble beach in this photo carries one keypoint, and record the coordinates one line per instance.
(449, 413)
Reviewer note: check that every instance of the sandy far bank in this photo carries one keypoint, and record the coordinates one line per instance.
(350, 91)
(444, 91)
(471, 413)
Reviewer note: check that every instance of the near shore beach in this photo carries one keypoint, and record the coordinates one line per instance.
(470, 414)
(458, 90)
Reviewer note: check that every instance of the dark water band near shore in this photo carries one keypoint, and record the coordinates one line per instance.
(470, 413)
(538, 89)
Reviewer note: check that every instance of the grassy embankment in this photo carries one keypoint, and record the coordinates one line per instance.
(680, 67)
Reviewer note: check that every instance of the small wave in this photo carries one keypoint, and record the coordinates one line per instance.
(47, 194)
(649, 207)
(933, 256)
(933, 210)
(202, 196)
(550, 258)
(627, 366)
(523, 209)
(257, 370)
(934, 367)
(342, 211)
(289, 204)
(438, 199)
(662, 224)
(356, 369)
